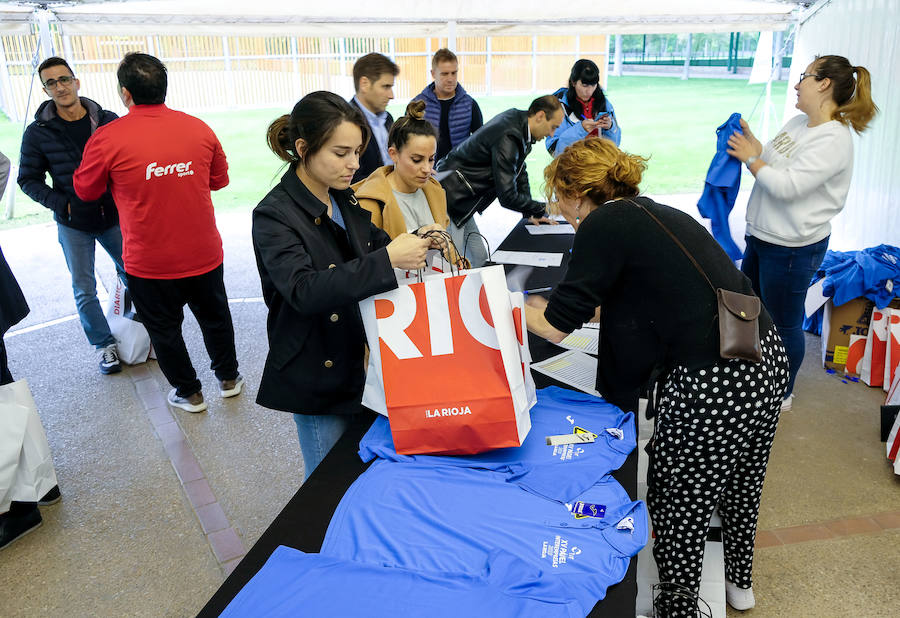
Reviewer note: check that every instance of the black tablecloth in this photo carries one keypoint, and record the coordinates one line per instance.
(303, 522)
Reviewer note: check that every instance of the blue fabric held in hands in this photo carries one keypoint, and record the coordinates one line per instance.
(557, 472)
(723, 181)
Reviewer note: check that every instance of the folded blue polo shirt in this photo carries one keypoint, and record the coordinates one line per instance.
(556, 472)
(293, 583)
(448, 519)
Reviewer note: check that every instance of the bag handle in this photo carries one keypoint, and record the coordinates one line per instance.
(677, 242)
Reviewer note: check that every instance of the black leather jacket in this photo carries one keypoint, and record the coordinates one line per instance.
(491, 163)
(311, 286)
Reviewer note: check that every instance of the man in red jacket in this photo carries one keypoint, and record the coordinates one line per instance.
(160, 165)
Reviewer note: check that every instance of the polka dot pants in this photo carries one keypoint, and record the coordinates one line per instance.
(711, 445)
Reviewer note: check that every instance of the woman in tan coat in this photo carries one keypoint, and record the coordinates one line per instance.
(405, 197)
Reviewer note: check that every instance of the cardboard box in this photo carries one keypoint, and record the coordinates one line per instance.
(839, 323)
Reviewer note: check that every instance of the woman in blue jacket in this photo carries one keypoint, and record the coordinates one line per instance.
(587, 110)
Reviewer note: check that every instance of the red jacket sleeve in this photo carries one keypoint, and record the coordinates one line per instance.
(92, 176)
(218, 171)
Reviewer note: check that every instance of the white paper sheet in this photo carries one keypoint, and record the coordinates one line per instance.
(584, 339)
(527, 258)
(573, 368)
(815, 297)
(540, 230)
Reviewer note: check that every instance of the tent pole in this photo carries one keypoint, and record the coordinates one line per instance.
(687, 57)
(617, 71)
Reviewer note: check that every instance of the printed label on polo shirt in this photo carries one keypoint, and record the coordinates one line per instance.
(587, 509)
(558, 551)
(566, 452)
(179, 169)
(455, 411)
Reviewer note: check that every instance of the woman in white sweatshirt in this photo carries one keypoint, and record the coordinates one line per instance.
(802, 179)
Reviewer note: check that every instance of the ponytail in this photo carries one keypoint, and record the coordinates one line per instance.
(278, 138)
(860, 109)
(853, 96)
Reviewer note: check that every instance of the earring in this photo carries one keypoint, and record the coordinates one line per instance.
(577, 215)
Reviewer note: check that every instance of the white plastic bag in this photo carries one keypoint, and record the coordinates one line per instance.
(132, 339)
(26, 466)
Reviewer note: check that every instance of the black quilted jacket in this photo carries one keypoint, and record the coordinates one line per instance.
(46, 147)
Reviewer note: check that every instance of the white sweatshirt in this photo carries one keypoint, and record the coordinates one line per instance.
(804, 185)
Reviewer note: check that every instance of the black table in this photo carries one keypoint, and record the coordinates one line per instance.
(303, 522)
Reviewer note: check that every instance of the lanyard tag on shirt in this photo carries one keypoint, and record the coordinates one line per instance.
(587, 509)
(571, 438)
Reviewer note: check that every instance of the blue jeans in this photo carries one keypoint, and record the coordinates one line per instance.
(317, 434)
(78, 248)
(781, 276)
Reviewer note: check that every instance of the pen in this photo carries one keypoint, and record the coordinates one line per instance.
(536, 291)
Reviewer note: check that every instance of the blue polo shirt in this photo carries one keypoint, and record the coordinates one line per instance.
(293, 583)
(556, 472)
(446, 519)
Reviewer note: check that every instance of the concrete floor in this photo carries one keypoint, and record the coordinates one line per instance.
(158, 505)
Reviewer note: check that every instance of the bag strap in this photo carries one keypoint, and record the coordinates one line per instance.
(677, 242)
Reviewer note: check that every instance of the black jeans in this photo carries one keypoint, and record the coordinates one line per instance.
(160, 306)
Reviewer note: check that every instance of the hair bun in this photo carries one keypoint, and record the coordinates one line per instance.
(416, 110)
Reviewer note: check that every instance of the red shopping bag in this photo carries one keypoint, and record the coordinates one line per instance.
(450, 362)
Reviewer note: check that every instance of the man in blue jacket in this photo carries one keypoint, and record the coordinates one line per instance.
(448, 106)
(54, 143)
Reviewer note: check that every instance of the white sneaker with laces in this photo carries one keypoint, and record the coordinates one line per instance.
(109, 360)
(739, 598)
(788, 403)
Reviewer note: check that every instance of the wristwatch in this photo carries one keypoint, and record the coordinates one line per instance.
(750, 161)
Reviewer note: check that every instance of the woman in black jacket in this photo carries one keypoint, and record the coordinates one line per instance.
(716, 418)
(318, 254)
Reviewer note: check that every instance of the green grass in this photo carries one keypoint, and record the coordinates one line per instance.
(671, 121)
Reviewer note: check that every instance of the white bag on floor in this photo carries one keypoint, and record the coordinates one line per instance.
(132, 339)
(26, 467)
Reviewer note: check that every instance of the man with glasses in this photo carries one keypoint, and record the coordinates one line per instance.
(54, 144)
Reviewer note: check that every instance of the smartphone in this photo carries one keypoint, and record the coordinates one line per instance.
(601, 115)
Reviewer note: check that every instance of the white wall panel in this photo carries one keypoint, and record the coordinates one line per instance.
(866, 32)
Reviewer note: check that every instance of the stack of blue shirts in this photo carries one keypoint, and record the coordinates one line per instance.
(536, 530)
(871, 273)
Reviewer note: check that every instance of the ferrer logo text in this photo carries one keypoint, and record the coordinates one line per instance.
(182, 169)
(447, 412)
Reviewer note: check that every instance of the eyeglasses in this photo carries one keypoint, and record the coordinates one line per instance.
(805, 75)
(65, 80)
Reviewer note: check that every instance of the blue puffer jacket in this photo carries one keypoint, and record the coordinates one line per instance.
(570, 131)
(46, 147)
(460, 115)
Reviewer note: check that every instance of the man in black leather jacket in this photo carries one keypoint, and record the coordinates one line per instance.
(491, 164)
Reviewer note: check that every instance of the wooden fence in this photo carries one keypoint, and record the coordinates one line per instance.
(234, 72)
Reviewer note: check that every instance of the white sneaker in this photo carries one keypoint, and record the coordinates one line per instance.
(788, 403)
(194, 403)
(739, 598)
(230, 388)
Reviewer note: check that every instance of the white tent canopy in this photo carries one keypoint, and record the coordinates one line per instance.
(420, 18)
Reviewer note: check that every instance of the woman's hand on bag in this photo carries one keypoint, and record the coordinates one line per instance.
(437, 240)
(407, 251)
(742, 147)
